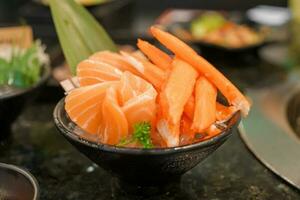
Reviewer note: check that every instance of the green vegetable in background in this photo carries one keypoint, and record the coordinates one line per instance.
(79, 33)
(141, 134)
(206, 23)
(23, 67)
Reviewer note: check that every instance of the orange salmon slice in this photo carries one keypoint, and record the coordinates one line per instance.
(146, 70)
(91, 72)
(114, 126)
(83, 106)
(114, 59)
(138, 99)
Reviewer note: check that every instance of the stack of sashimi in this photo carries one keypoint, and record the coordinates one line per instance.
(152, 99)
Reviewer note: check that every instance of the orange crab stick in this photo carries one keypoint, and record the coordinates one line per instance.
(223, 113)
(174, 96)
(146, 69)
(190, 107)
(158, 57)
(205, 105)
(183, 51)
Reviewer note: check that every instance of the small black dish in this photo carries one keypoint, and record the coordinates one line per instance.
(17, 183)
(215, 51)
(142, 167)
(12, 104)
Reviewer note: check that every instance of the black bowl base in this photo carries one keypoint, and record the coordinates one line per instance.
(121, 187)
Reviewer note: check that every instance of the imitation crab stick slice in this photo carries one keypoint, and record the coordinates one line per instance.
(187, 135)
(212, 131)
(139, 99)
(190, 107)
(205, 105)
(113, 59)
(223, 113)
(158, 57)
(175, 94)
(83, 105)
(183, 51)
(90, 72)
(139, 54)
(114, 126)
(146, 70)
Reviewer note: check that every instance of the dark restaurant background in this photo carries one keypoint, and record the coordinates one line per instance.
(136, 15)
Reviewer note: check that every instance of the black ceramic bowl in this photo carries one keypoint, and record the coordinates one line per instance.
(17, 183)
(141, 166)
(12, 104)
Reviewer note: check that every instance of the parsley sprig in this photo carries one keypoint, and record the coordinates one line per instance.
(141, 134)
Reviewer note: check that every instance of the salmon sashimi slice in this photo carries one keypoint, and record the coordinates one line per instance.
(90, 72)
(224, 113)
(113, 59)
(82, 105)
(186, 53)
(139, 99)
(178, 88)
(205, 105)
(158, 57)
(131, 86)
(146, 70)
(114, 126)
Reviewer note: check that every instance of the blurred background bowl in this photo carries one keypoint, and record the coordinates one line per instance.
(17, 184)
(12, 103)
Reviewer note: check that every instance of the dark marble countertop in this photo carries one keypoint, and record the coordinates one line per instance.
(63, 173)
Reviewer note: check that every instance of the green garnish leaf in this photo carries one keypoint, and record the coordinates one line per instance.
(141, 134)
(79, 33)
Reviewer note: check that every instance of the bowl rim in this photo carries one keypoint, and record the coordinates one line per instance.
(27, 175)
(43, 78)
(65, 130)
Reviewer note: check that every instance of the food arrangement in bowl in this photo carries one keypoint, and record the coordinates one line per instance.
(151, 99)
(20, 68)
(145, 116)
(213, 29)
(23, 70)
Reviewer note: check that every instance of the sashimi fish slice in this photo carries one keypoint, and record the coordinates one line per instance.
(90, 72)
(139, 99)
(146, 70)
(114, 126)
(82, 105)
(115, 60)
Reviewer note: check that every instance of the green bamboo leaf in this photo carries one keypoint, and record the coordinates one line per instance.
(79, 33)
